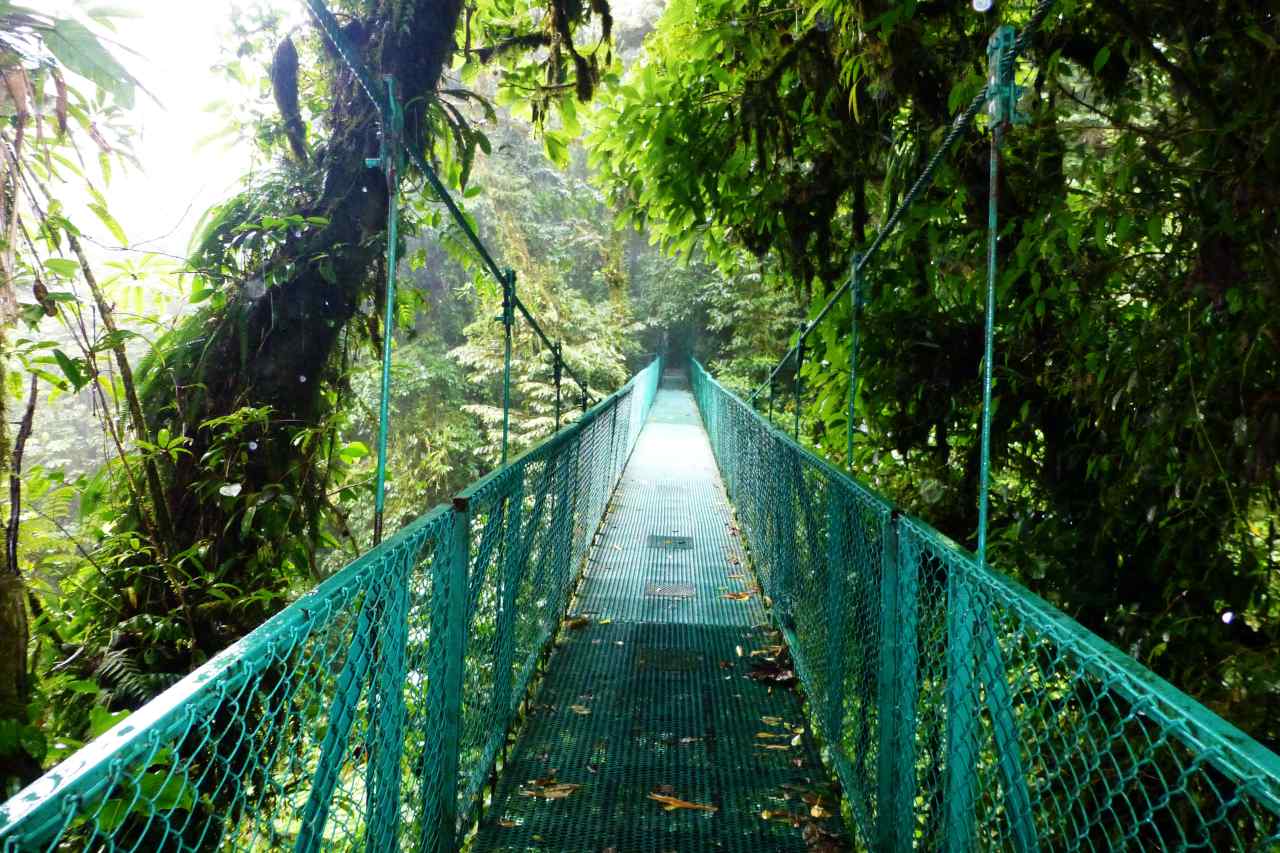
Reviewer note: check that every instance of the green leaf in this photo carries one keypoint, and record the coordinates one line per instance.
(569, 117)
(1100, 61)
(62, 267)
(353, 451)
(105, 217)
(557, 149)
(71, 369)
(77, 48)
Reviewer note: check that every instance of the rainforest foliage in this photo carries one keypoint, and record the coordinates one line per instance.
(1137, 418)
(189, 443)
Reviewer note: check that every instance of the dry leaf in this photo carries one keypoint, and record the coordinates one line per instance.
(774, 745)
(736, 596)
(505, 823)
(550, 791)
(672, 803)
(773, 735)
(582, 710)
(736, 577)
(576, 622)
(818, 811)
(771, 721)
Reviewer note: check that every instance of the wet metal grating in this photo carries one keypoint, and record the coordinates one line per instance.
(670, 590)
(670, 543)
(652, 696)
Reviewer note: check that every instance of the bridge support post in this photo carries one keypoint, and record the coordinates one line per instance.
(513, 561)
(837, 606)
(444, 684)
(896, 692)
(386, 750)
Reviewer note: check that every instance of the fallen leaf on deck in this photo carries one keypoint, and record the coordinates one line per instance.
(673, 803)
(576, 622)
(771, 721)
(580, 709)
(778, 746)
(549, 789)
(505, 823)
(819, 839)
(774, 735)
(736, 596)
(736, 577)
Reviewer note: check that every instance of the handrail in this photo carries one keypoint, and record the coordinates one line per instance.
(363, 693)
(960, 710)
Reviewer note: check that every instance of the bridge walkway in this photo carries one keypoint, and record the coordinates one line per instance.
(672, 684)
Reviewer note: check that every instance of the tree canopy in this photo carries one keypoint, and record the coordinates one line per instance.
(1136, 419)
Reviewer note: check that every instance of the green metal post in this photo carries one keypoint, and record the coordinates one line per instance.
(444, 683)
(508, 320)
(855, 305)
(390, 162)
(963, 708)
(837, 607)
(386, 735)
(896, 692)
(508, 585)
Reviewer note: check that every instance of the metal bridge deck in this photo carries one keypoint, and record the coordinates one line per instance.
(654, 695)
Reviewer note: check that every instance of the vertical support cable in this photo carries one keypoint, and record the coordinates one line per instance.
(559, 372)
(390, 161)
(508, 320)
(855, 305)
(963, 698)
(795, 428)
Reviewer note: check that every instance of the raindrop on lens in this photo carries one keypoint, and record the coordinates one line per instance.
(982, 5)
(1227, 617)
(302, 379)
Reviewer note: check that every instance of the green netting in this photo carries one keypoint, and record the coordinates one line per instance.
(959, 710)
(364, 714)
(651, 692)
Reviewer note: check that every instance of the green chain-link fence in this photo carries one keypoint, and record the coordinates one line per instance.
(368, 714)
(960, 711)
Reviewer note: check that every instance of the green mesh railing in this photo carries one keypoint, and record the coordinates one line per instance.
(369, 713)
(959, 710)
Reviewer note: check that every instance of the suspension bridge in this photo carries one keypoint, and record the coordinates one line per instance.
(601, 647)
(669, 626)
